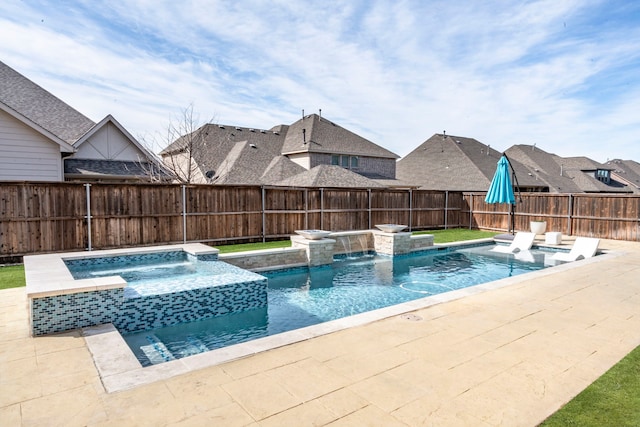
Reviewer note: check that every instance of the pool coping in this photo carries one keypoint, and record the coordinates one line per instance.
(120, 370)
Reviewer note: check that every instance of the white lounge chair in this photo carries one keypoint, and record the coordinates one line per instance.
(521, 242)
(525, 255)
(584, 247)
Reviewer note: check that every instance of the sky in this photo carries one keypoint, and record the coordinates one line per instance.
(561, 74)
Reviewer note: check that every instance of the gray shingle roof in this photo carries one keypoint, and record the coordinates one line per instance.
(232, 155)
(41, 107)
(110, 168)
(315, 134)
(329, 176)
(240, 155)
(627, 170)
(457, 163)
(544, 166)
(280, 168)
(245, 163)
(565, 174)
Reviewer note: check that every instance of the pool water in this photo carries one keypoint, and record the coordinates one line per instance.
(351, 285)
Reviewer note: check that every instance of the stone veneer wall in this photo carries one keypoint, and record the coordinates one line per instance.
(266, 259)
(421, 241)
(392, 243)
(319, 252)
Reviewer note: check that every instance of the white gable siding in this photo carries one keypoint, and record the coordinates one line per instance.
(108, 143)
(303, 159)
(178, 164)
(26, 155)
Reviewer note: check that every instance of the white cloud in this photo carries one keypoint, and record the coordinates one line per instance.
(537, 72)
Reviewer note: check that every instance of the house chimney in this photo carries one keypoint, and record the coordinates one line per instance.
(320, 110)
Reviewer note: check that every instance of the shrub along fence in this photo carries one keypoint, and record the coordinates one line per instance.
(53, 217)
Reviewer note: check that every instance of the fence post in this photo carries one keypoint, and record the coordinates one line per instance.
(306, 208)
(87, 187)
(470, 211)
(446, 208)
(321, 208)
(184, 213)
(264, 219)
(369, 207)
(410, 210)
(570, 218)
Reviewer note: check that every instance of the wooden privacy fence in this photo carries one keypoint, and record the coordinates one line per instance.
(608, 216)
(54, 217)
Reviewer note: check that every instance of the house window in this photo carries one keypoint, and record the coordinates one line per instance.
(603, 175)
(347, 162)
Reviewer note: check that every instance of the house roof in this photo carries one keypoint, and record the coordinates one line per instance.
(544, 166)
(316, 134)
(280, 168)
(329, 176)
(39, 108)
(455, 163)
(565, 174)
(241, 155)
(627, 171)
(110, 169)
(231, 154)
(59, 122)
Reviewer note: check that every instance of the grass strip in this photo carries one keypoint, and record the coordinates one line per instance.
(612, 400)
(225, 249)
(456, 235)
(12, 276)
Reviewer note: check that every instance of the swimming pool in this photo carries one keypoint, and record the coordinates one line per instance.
(351, 285)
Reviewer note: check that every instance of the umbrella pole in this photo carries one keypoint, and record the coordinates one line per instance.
(513, 219)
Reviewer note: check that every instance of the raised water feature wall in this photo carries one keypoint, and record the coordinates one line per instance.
(318, 252)
(353, 242)
(322, 251)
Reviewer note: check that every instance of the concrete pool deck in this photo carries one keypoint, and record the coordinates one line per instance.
(507, 356)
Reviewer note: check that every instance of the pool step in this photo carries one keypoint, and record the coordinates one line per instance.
(194, 346)
(156, 351)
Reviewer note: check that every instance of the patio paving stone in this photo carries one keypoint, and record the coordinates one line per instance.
(508, 356)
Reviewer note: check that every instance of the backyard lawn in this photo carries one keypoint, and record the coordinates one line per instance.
(612, 400)
(11, 276)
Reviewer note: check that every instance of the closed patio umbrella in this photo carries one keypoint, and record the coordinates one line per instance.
(501, 189)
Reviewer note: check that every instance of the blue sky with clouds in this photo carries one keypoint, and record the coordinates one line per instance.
(563, 74)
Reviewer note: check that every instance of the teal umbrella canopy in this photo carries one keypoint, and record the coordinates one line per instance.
(501, 190)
